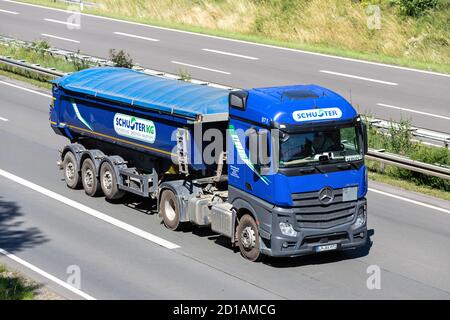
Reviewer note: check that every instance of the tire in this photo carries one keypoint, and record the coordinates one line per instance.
(71, 172)
(108, 182)
(89, 179)
(169, 210)
(248, 238)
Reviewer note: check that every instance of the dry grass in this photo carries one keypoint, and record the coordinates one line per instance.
(340, 24)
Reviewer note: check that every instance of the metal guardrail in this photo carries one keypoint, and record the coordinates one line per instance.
(51, 72)
(409, 164)
(422, 134)
(377, 155)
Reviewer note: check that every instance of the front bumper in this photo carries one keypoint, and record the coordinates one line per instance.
(307, 241)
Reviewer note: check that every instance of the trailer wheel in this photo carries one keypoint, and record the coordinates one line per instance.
(89, 179)
(108, 182)
(169, 210)
(248, 238)
(71, 173)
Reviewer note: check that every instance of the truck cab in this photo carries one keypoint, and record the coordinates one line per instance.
(296, 167)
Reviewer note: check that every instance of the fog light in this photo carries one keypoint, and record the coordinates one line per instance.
(361, 218)
(287, 229)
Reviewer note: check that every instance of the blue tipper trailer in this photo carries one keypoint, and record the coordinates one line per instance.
(279, 170)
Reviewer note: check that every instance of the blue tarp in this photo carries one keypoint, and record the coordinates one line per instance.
(139, 89)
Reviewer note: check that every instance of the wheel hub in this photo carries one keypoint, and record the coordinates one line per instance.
(107, 180)
(248, 238)
(89, 178)
(70, 170)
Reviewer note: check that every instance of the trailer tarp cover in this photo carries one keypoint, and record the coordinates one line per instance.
(146, 91)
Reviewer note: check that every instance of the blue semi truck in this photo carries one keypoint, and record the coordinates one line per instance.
(280, 170)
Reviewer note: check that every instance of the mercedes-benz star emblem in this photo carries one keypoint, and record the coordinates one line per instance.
(326, 195)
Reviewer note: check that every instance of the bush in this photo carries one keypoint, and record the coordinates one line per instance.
(184, 75)
(121, 58)
(415, 8)
(41, 46)
(398, 140)
(77, 62)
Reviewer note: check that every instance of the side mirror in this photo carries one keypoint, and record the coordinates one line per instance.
(238, 99)
(365, 137)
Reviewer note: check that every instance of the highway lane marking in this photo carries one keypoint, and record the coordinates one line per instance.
(231, 54)
(25, 89)
(7, 11)
(239, 41)
(59, 38)
(46, 275)
(415, 111)
(359, 77)
(199, 67)
(3, 119)
(92, 212)
(410, 200)
(135, 36)
(63, 22)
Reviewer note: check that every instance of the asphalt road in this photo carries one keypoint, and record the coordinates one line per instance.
(384, 91)
(57, 231)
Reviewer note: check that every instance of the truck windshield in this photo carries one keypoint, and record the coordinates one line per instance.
(323, 146)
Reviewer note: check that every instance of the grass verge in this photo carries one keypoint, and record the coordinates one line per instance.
(38, 83)
(15, 287)
(331, 27)
(408, 185)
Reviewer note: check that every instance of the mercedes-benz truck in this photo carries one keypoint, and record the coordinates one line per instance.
(279, 170)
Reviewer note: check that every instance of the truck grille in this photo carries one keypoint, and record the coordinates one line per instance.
(311, 213)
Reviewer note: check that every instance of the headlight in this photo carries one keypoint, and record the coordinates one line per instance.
(287, 229)
(361, 218)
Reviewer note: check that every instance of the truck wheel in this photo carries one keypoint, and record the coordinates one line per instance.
(108, 182)
(169, 210)
(90, 182)
(71, 173)
(248, 238)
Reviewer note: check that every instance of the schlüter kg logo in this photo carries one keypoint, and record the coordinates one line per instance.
(317, 114)
(135, 128)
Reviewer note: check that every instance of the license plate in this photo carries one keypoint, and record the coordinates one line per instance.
(327, 247)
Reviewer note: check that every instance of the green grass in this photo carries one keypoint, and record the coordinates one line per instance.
(34, 56)
(408, 185)
(41, 84)
(15, 287)
(330, 27)
(399, 141)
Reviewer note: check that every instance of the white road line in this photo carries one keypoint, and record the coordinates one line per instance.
(410, 200)
(231, 54)
(59, 38)
(25, 89)
(240, 41)
(63, 22)
(198, 67)
(92, 212)
(46, 275)
(135, 36)
(3, 119)
(414, 111)
(7, 11)
(358, 77)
